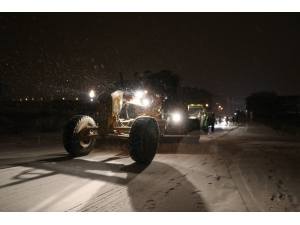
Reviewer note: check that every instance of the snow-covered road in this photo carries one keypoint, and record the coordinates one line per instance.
(235, 169)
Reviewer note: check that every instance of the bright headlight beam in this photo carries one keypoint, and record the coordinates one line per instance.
(139, 94)
(176, 117)
(145, 102)
(92, 94)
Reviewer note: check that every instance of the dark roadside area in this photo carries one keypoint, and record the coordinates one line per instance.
(34, 122)
(282, 127)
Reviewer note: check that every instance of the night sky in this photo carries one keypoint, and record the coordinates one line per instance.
(228, 54)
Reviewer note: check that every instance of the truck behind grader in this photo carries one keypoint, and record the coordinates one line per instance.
(140, 110)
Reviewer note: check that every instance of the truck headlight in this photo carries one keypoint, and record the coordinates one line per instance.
(176, 117)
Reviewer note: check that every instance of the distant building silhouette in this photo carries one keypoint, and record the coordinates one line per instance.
(267, 105)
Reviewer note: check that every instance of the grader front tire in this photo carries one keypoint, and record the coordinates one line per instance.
(143, 140)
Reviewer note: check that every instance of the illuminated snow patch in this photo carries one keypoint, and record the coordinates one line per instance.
(108, 173)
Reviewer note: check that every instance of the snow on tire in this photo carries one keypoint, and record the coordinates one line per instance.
(74, 143)
(143, 139)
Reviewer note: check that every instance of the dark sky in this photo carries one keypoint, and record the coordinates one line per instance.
(228, 54)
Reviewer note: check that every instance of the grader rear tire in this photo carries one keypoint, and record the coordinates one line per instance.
(77, 144)
(143, 140)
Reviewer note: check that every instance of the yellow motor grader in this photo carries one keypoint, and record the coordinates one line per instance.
(141, 110)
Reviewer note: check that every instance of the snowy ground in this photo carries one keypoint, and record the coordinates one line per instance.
(245, 168)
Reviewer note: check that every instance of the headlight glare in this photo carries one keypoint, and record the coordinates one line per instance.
(145, 101)
(176, 117)
(139, 94)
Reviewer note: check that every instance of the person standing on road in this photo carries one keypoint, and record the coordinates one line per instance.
(233, 119)
(212, 121)
(227, 120)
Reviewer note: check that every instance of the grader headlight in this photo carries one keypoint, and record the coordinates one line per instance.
(139, 93)
(92, 94)
(145, 101)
